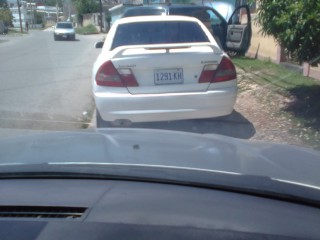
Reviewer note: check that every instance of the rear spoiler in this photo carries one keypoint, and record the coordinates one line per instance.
(119, 52)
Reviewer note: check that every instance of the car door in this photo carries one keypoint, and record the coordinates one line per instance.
(239, 31)
(211, 18)
(218, 26)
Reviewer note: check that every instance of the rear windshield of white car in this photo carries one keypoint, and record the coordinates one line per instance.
(141, 33)
(64, 25)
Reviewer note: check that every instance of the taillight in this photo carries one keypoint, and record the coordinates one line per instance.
(224, 72)
(208, 73)
(108, 75)
(128, 77)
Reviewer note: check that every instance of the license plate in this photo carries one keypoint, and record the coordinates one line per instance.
(64, 36)
(168, 76)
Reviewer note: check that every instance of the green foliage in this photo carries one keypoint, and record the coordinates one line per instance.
(294, 24)
(90, 29)
(86, 6)
(182, 1)
(38, 17)
(3, 4)
(6, 16)
(79, 19)
(5, 13)
(52, 2)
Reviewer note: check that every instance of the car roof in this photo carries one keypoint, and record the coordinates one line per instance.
(169, 7)
(155, 18)
(148, 6)
(185, 6)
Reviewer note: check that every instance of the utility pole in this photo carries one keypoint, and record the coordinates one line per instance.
(57, 9)
(100, 3)
(19, 16)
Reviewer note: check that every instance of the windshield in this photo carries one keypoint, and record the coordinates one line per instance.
(64, 25)
(214, 95)
(158, 32)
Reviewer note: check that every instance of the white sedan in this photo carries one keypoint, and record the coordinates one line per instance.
(161, 68)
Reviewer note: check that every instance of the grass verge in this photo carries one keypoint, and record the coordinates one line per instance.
(12, 31)
(303, 92)
(90, 29)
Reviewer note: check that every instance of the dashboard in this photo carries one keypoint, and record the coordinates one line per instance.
(82, 209)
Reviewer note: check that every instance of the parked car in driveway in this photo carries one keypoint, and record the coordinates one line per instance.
(64, 30)
(161, 68)
(233, 35)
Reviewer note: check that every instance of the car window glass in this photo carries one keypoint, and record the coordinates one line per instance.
(214, 19)
(144, 12)
(64, 25)
(158, 33)
(206, 16)
(237, 18)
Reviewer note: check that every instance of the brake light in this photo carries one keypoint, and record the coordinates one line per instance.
(128, 77)
(225, 71)
(207, 74)
(108, 75)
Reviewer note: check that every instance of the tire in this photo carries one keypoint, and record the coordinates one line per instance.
(100, 122)
(55, 38)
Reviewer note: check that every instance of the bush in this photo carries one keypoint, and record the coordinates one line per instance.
(294, 24)
(90, 29)
(6, 17)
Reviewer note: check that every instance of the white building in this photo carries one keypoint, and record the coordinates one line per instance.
(27, 13)
(50, 12)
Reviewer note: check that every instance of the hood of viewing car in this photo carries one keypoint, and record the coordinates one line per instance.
(165, 148)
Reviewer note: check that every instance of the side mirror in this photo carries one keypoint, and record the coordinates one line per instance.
(98, 44)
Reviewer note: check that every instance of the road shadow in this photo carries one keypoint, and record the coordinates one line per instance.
(68, 40)
(306, 105)
(234, 125)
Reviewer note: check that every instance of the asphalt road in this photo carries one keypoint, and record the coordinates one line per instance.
(45, 84)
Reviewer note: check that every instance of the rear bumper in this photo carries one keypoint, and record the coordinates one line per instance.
(64, 35)
(165, 107)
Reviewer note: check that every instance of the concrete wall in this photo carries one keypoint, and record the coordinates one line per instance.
(93, 18)
(265, 47)
(313, 72)
(262, 47)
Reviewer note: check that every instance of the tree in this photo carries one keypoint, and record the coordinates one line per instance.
(3, 4)
(38, 16)
(52, 3)
(295, 24)
(5, 13)
(86, 6)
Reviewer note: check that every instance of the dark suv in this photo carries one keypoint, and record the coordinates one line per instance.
(232, 36)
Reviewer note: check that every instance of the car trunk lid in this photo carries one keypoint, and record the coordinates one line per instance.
(167, 68)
